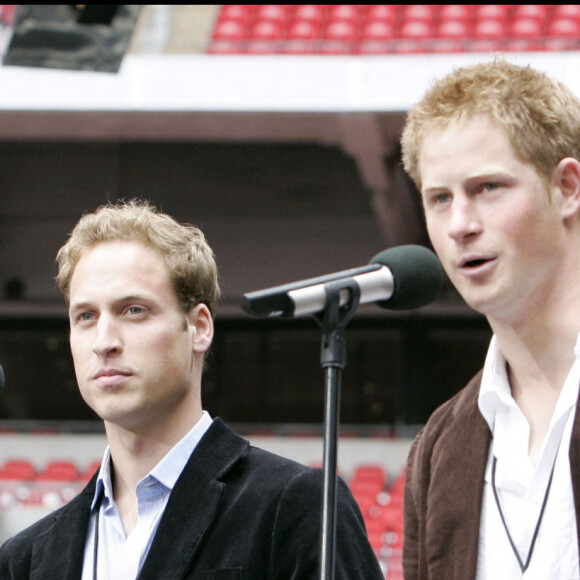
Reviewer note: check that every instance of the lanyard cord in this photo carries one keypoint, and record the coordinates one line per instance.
(96, 543)
(535, 536)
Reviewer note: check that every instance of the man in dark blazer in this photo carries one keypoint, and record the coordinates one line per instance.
(178, 495)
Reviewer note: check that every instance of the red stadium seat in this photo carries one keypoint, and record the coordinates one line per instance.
(266, 30)
(351, 12)
(569, 11)
(385, 12)
(242, 12)
(415, 30)
(340, 30)
(564, 27)
(312, 12)
(378, 30)
(491, 12)
(374, 474)
(422, 12)
(277, 12)
(489, 28)
(526, 28)
(453, 29)
(18, 469)
(455, 12)
(229, 29)
(537, 12)
(59, 471)
(303, 30)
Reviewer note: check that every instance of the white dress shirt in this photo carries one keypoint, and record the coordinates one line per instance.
(121, 557)
(521, 486)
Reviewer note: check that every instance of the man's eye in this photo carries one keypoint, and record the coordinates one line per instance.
(85, 316)
(490, 186)
(439, 198)
(135, 310)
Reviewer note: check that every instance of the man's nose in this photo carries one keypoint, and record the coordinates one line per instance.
(107, 338)
(465, 220)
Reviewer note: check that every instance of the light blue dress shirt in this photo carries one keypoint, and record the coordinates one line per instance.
(121, 557)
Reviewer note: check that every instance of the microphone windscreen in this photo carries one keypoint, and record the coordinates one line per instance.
(417, 273)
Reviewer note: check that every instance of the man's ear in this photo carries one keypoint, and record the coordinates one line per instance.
(566, 182)
(201, 326)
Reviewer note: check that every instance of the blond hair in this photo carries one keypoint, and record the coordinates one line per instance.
(541, 116)
(187, 255)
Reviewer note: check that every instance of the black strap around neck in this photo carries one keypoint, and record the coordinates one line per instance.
(523, 565)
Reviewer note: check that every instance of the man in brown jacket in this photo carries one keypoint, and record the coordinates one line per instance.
(493, 479)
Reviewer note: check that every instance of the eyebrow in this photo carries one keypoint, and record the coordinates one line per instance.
(122, 300)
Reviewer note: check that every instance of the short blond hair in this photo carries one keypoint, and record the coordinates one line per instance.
(541, 116)
(188, 257)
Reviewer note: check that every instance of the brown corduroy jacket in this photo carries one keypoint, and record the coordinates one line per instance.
(444, 489)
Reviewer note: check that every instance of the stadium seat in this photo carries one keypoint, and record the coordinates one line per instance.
(312, 12)
(303, 30)
(350, 12)
(18, 469)
(275, 12)
(491, 12)
(419, 12)
(340, 30)
(415, 30)
(384, 12)
(370, 473)
(263, 29)
(378, 30)
(564, 27)
(567, 11)
(538, 12)
(229, 29)
(455, 13)
(240, 12)
(59, 471)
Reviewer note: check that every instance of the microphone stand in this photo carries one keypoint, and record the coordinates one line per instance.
(334, 320)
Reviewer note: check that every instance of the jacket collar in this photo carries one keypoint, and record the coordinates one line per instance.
(193, 504)
(191, 509)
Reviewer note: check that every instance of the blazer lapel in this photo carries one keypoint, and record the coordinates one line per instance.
(193, 504)
(70, 528)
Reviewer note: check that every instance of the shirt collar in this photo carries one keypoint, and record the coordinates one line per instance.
(494, 384)
(166, 472)
(495, 389)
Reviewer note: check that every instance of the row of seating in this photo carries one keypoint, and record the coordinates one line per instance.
(58, 470)
(364, 29)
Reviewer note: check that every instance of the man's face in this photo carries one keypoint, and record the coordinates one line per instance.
(136, 354)
(490, 220)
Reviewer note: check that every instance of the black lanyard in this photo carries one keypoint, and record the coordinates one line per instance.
(96, 542)
(535, 536)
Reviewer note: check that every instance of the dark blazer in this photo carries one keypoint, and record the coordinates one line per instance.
(236, 512)
(444, 489)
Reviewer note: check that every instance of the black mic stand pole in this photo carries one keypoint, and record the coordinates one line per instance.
(334, 320)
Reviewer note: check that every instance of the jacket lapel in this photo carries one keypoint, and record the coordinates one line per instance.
(193, 504)
(458, 473)
(70, 527)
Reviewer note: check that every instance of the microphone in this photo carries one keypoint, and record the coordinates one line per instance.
(399, 278)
